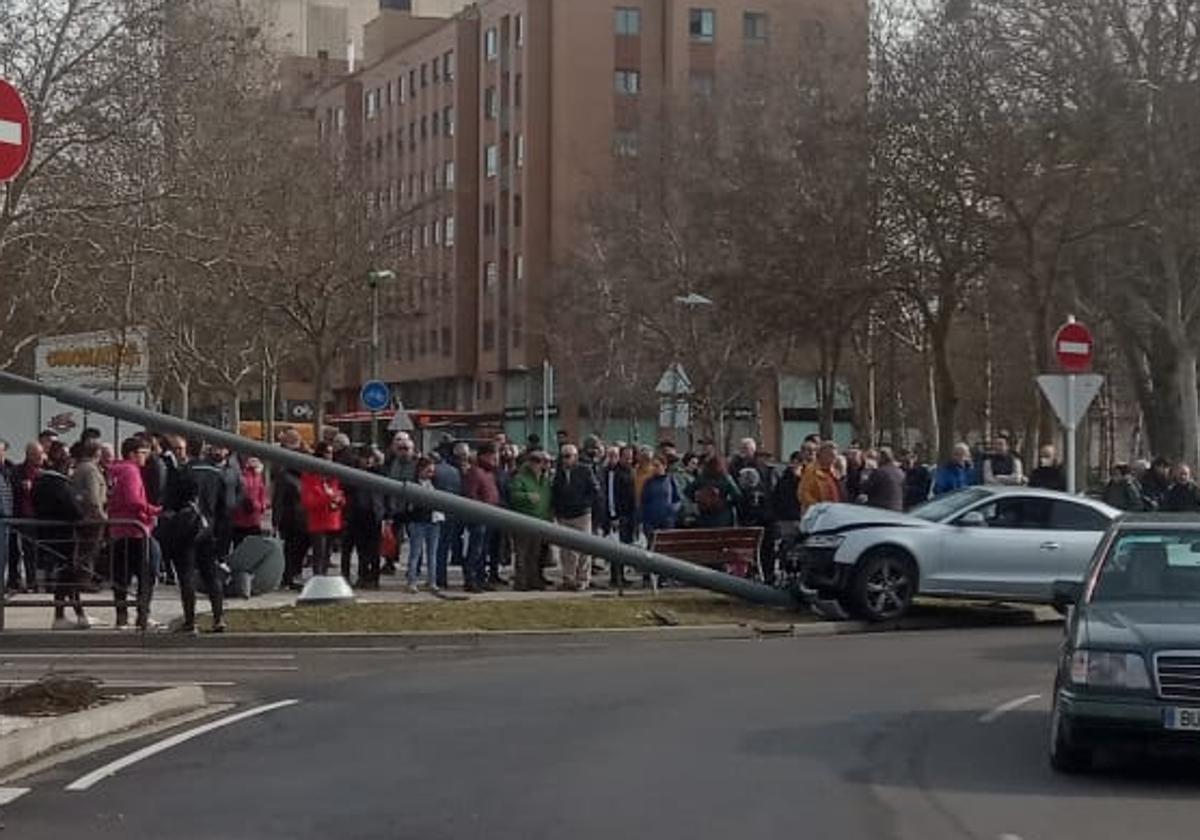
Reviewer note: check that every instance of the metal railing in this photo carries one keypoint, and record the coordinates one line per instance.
(71, 559)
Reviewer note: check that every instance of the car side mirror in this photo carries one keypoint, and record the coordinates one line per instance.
(1066, 594)
(972, 519)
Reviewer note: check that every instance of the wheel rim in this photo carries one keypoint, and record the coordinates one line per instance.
(888, 588)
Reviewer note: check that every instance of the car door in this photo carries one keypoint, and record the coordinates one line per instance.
(1075, 531)
(995, 555)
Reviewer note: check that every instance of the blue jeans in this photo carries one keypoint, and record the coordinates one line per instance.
(450, 547)
(423, 543)
(475, 570)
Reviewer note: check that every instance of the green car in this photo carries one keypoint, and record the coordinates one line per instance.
(1129, 674)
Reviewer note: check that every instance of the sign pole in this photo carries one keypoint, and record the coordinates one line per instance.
(1071, 434)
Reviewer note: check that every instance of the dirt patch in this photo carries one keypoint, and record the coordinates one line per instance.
(51, 696)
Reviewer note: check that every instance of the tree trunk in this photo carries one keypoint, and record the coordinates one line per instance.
(989, 374)
(319, 376)
(235, 412)
(185, 399)
(947, 391)
(935, 432)
(1189, 404)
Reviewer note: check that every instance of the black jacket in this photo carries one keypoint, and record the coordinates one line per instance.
(1048, 478)
(211, 493)
(54, 499)
(287, 511)
(1182, 498)
(364, 508)
(918, 481)
(624, 498)
(155, 476)
(884, 487)
(785, 498)
(574, 491)
(8, 493)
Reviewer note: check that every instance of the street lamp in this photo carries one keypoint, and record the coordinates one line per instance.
(693, 300)
(374, 278)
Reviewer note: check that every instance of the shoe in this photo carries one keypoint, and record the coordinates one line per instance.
(473, 588)
(413, 589)
(388, 569)
(86, 622)
(220, 626)
(434, 590)
(152, 626)
(295, 586)
(122, 626)
(547, 583)
(498, 581)
(186, 630)
(488, 587)
(566, 587)
(64, 623)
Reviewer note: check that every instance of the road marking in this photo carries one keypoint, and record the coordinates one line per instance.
(1004, 708)
(172, 657)
(139, 683)
(1009, 837)
(114, 767)
(9, 795)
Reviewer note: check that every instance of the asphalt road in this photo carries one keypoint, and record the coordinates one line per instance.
(920, 735)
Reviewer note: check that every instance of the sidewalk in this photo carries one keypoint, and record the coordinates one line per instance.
(166, 607)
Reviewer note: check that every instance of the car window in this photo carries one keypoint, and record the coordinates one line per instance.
(1145, 566)
(1017, 512)
(1069, 516)
(943, 507)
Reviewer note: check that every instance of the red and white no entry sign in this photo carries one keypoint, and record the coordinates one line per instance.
(14, 132)
(1074, 346)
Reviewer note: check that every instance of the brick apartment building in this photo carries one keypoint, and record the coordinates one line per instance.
(478, 137)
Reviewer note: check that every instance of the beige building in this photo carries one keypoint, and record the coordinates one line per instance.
(478, 139)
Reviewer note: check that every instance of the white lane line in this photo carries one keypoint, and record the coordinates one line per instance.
(1004, 708)
(9, 795)
(114, 767)
(1009, 837)
(139, 683)
(171, 657)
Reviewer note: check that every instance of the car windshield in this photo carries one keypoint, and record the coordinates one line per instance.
(1151, 566)
(944, 507)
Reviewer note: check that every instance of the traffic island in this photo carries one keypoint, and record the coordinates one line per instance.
(57, 713)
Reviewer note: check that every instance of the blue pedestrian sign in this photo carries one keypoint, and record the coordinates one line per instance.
(375, 395)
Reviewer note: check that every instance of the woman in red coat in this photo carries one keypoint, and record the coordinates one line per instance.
(323, 501)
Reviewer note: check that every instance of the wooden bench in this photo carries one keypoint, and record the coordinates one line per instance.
(732, 550)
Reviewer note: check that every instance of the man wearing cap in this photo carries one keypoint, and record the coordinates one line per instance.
(529, 494)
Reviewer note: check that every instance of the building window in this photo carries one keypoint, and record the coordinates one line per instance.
(412, 135)
(448, 121)
(519, 30)
(437, 71)
(400, 89)
(520, 146)
(628, 82)
(389, 92)
(625, 144)
(427, 180)
(435, 124)
(424, 75)
(491, 44)
(424, 127)
(412, 83)
(489, 277)
(518, 211)
(424, 236)
(449, 231)
(702, 24)
(448, 174)
(372, 104)
(448, 66)
(489, 335)
(447, 348)
(628, 21)
(489, 219)
(339, 120)
(491, 104)
(754, 26)
(518, 84)
(518, 270)
(437, 232)
(491, 158)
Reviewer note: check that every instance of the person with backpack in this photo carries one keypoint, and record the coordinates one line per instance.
(715, 494)
(205, 507)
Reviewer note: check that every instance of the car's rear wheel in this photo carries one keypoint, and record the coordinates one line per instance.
(884, 586)
(1066, 755)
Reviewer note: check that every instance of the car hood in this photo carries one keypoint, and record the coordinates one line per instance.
(827, 517)
(1144, 625)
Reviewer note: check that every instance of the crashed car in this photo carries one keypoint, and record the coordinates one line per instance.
(993, 543)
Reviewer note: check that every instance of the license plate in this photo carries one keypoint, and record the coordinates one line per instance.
(1185, 719)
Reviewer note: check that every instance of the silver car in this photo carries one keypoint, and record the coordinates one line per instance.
(993, 543)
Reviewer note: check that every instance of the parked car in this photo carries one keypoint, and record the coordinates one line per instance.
(1129, 673)
(992, 543)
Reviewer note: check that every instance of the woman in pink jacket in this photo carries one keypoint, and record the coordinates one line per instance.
(248, 517)
(131, 519)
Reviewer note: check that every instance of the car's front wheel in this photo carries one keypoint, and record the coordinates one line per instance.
(1066, 756)
(884, 586)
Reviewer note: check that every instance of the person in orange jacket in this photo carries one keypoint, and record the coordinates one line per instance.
(819, 482)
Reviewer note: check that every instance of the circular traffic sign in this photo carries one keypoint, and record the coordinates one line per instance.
(375, 395)
(14, 132)
(1074, 346)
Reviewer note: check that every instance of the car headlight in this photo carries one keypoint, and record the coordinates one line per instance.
(1109, 669)
(825, 541)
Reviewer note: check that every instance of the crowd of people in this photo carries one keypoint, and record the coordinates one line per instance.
(169, 510)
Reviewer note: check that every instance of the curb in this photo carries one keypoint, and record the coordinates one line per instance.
(69, 730)
(489, 639)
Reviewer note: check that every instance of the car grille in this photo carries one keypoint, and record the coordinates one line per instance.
(1178, 675)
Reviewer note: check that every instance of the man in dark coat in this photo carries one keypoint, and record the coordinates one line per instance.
(205, 486)
(884, 486)
(54, 500)
(618, 506)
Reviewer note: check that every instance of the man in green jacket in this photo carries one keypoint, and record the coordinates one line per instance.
(529, 493)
